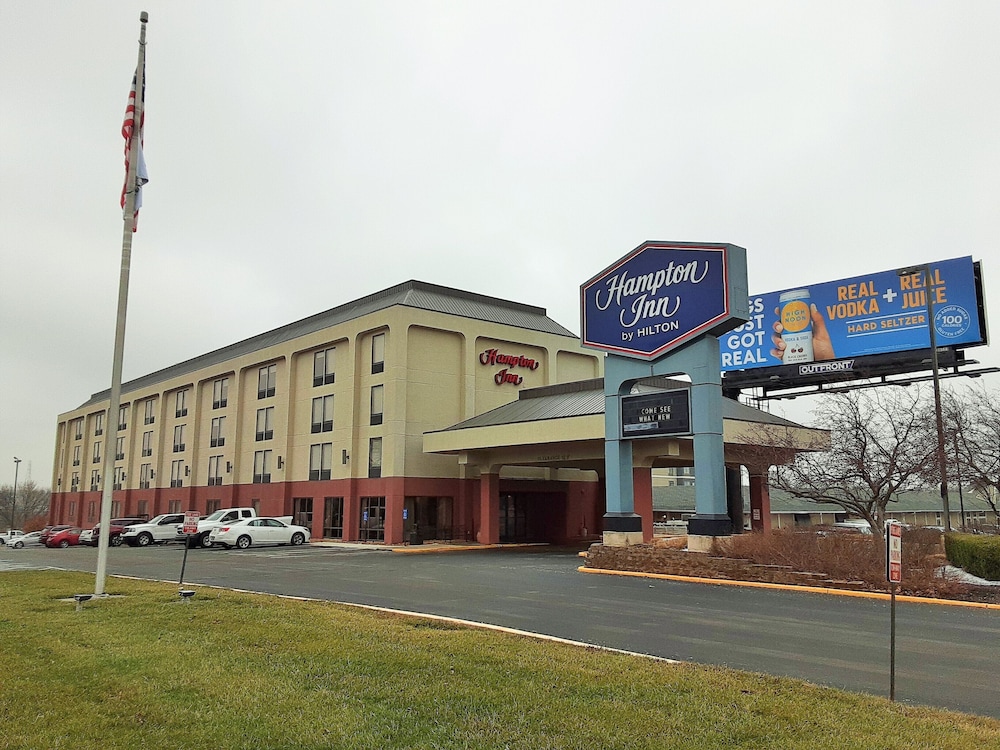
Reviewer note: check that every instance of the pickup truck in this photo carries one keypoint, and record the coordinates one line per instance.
(10, 536)
(214, 521)
(163, 528)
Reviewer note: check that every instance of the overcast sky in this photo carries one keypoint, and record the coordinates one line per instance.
(302, 155)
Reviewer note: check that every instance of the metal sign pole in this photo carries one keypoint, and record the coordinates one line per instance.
(892, 643)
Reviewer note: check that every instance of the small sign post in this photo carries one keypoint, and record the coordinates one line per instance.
(893, 574)
(190, 528)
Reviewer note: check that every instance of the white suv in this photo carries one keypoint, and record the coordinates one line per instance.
(163, 528)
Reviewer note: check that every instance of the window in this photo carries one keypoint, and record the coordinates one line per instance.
(322, 414)
(378, 353)
(375, 458)
(302, 511)
(212, 505)
(147, 444)
(145, 474)
(262, 467)
(373, 519)
(79, 428)
(72, 508)
(214, 470)
(177, 473)
(320, 461)
(150, 415)
(181, 407)
(255, 504)
(120, 449)
(74, 484)
(333, 518)
(266, 378)
(179, 438)
(76, 455)
(220, 393)
(173, 506)
(97, 453)
(323, 367)
(99, 424)
(91, 507)
(143, 509)
(218, 432)
(376, 404)
(265, 423)
(123, 417)
(95, 480)
(119, 478)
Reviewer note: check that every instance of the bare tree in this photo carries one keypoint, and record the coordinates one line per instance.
(31, 501)
(974, 427)
(881, 443)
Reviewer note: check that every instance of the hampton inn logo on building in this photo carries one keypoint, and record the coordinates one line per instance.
(494, 357)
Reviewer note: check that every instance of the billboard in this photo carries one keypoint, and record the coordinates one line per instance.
(820, 327)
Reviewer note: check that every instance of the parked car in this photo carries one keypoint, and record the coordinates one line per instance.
(249, 531)
(163, 528)
(203, 537)
(32, 538)
(50, 530)
(93, 536)
(67, 537)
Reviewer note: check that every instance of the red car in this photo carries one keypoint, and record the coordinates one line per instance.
(50, 530)
(64, 537)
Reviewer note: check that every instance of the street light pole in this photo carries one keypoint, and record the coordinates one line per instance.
(13, 500)
(925, 269)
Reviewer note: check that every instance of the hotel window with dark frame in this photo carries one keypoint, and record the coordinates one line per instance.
(119, 477)
(320, 461)
(378, 353)
(322, 414)
(79, 429)
(149, 414)
(74, 483)
(145, 472)
(374, 458)
(214, 471)
(120, 449)
(266, 379)
(218, 438)
(262, 467)
(147, 444)
(179, 444)
(95, 480)
(177, 473)
(333, 517)
(76, 455)
(181, 405)
(265, 423)
(323, 362)
(97, 453)
(123, 417)
(220, 393)
(377, 397)
(99, 424)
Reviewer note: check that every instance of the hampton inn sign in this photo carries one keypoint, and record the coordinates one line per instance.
(494, 357)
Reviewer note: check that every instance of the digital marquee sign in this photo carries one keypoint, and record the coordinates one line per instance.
(656, 414)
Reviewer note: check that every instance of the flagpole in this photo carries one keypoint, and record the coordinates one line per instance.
(128, 221)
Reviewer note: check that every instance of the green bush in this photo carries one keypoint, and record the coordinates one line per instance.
(975, 554)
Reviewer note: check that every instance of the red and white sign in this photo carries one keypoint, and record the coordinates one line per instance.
(893, 552)
(191, 521)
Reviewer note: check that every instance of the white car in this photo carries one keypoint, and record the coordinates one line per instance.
(32, 538)
(247, 531)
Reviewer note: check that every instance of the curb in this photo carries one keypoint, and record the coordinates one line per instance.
(791, 587)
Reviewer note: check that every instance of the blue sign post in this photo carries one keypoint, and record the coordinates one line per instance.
(658, 312)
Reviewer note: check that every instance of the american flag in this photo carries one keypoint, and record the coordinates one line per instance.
(141, 178)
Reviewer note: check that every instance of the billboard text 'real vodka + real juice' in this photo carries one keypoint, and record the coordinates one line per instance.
(874, 314)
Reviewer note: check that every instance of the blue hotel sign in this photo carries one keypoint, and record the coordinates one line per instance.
(663, 295)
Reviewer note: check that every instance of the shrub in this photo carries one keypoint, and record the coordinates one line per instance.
(975, 554)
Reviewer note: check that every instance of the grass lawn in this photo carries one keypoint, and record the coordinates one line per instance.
(236, 670)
